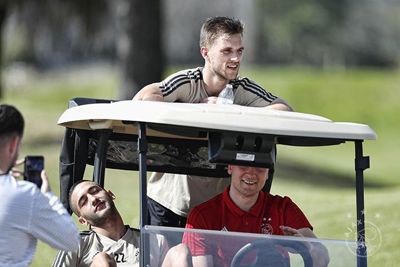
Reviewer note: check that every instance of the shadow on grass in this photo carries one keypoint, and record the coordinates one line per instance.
(300, 173)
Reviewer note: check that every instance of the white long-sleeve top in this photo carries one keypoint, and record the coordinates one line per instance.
(26, 214)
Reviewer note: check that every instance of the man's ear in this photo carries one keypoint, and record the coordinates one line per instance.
(14, 145)
(267, 174)
(229, 169)
(111, 194)
(82, 220)
(204, 52)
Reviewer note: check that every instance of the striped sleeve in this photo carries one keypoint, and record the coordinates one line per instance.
(179, 86)
(167, 87)
(65, 259)
(249, 93)
(252, 87)
(74, 258)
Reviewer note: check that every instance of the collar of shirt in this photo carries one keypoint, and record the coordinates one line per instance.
(256, 210)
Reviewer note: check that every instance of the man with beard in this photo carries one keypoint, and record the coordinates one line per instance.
(27, 213)
(110, 242)
(171, 196)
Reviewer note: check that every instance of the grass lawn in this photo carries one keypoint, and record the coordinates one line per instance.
(319, 180)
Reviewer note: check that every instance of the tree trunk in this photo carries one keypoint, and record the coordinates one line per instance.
(3, 13)
(139, 45)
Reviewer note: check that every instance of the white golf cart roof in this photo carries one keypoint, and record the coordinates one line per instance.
(198, 117)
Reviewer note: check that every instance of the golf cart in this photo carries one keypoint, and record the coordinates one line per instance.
(201, 139)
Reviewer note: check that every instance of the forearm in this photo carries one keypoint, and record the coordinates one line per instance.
(279, 104)
(150, 92)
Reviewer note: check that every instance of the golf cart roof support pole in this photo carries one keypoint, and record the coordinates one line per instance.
(144, 220)
(361, 163)
(100, 156)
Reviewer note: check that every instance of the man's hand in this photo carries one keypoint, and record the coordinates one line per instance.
(318, 251)
(291, 231)
(45, 182)
(294, 232)
(16, 172)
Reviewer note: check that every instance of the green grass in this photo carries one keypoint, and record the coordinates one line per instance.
(320, 180)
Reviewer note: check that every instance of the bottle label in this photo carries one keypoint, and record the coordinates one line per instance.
(226, 96)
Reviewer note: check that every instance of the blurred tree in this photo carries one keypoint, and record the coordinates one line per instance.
(324, 33)
(5, 7)
(372, 36)
(302, 32)
(329, 33)
(60, 32)
(2, 19)
(51, 32)
(139, 45)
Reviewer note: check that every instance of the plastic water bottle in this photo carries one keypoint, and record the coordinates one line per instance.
(226, 96)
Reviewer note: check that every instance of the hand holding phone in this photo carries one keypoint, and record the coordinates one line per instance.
(33, 169)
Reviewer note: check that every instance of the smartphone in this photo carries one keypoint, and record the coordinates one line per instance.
(33, 168)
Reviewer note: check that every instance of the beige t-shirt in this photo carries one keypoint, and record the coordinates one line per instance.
(180, 193)
(187, 86)
(125, 250)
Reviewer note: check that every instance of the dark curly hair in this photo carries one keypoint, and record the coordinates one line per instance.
(11, 121)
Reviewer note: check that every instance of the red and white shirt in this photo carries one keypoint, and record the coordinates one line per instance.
(221, 213)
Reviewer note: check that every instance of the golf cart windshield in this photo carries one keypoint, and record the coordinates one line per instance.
(243, 249)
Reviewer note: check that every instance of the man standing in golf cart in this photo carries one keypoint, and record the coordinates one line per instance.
(244, 207)
(171, 196)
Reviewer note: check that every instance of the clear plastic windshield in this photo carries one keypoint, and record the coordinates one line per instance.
(222, 248)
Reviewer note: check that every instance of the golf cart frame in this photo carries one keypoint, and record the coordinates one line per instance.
(198, 139)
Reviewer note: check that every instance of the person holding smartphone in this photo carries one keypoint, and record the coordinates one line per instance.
(27, 212)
